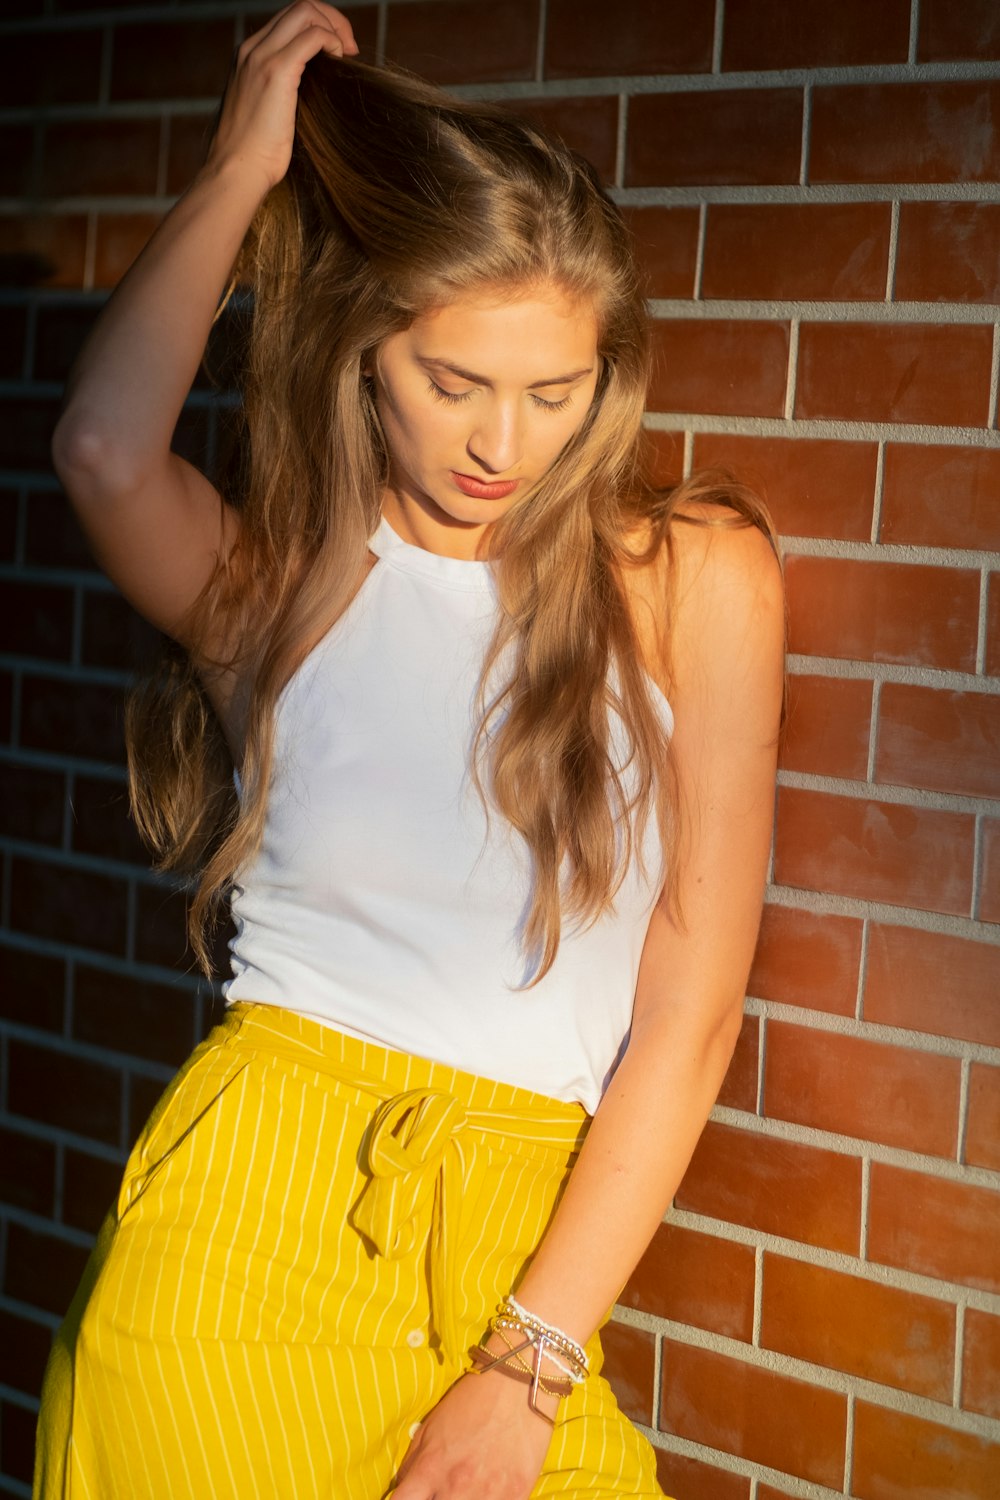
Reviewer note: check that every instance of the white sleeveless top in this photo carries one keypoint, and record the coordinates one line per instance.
(381, 901)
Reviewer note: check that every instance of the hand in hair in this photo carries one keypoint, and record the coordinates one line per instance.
(257, 119)
(482, 1439)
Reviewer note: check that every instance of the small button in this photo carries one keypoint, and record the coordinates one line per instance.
(414, 1338)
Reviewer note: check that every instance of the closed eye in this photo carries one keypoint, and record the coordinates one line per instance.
(453, 399)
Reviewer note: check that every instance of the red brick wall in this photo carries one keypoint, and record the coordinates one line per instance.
(814, 188)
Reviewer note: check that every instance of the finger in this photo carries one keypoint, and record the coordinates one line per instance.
(294, 18)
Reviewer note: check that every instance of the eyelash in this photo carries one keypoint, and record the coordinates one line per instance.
(453, 400)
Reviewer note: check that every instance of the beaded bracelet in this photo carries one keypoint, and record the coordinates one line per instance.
(512, 1314)
(547, 1341)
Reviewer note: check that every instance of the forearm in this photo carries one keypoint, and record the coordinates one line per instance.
(639, 1145)
(130, 381)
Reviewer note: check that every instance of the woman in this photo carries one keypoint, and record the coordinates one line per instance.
(502, 721)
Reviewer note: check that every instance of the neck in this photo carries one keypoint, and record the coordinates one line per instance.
(423, 524)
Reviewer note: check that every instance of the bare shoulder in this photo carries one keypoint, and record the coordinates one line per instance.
(718, 554)
(727, 613)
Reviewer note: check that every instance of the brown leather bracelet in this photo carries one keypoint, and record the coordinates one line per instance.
(483, 1361)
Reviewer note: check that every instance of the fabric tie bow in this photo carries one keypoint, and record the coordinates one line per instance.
(414, 1160)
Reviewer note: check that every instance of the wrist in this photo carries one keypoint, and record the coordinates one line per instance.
(539, 1399)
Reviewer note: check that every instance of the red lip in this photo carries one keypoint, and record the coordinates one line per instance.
(480, 491)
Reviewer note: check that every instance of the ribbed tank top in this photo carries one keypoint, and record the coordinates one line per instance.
(382, 901)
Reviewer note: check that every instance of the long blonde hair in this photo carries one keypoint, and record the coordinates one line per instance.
(399, 198)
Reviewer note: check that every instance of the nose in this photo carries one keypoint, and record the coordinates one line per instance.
(495, 441)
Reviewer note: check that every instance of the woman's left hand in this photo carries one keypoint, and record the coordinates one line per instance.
(481, 1442)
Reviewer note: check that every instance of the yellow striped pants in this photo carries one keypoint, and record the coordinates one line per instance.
(310, 1233)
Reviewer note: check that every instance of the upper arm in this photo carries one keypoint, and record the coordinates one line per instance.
(157, 535)
(727, 673)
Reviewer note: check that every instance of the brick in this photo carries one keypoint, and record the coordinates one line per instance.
(807, 958)
(53, 537)
(143, 1095)
(120, 237)
(32, 988)
(160, 931)
(26, 432)
(739, 1087)
(938, 739)
(989, 891)
(787, 34)
(64, 1092)
(851, 1086)
(17, 1440)
(90, 1188)
(24, 1349)
(42, 68)
(29, 1171)
(819, 1315)
(904, 372)
(629, 1364)
(909, 971)
(697, 1279)
(100, 823)
(43, 249)
(114, 635)
(689, 1477)
(187, 148)
(41, 1269)
(126, 1014)
(905, 132)
(32, 800)
(68, 905)
(993, 626)
(666, 246)
(13, 330)
(727, 136)
(666, 455)
(588, 125)
(17, 157)
(948, 252)
(37, 620)
(981, 1363)
(9, 523)
(982, 1136)
(909, 613)
(79, 718)
(896, 1454)
(83, 157)
(644, 39)
(6, 706)
(824, 251)
(780, 1187)
(813, 486)
(743, 1409)
(957, 32)
(875, 851)
(719, 366)
(828, 725)
(954, 1236)
(61, 331)
(939, 495)
(160, 60)
(460, 41)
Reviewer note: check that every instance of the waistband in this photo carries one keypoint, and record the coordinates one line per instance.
(421, 1108)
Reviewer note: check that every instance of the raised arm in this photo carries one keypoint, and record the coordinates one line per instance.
(155, 523)
(727, 649)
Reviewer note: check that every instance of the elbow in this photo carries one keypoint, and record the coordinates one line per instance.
(88, 465)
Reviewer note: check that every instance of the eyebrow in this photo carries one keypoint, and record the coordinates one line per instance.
(445, 364)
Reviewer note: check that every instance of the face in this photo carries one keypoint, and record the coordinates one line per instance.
(476, 400)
